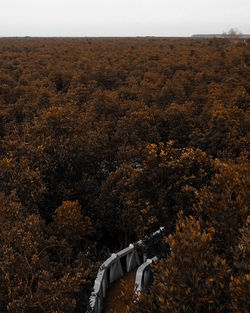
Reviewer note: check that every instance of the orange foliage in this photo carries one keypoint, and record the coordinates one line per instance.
(102, 140)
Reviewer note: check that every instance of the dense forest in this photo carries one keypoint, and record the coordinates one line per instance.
(104, 140)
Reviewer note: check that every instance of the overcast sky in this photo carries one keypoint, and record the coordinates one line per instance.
(122, 17)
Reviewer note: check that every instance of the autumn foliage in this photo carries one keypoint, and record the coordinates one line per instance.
(104, 140)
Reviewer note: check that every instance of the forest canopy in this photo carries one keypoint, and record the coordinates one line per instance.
(104, 140)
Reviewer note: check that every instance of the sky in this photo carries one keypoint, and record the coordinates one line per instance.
(122, 18)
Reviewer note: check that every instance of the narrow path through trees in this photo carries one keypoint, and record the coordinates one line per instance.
(124, 266)
(114, 301)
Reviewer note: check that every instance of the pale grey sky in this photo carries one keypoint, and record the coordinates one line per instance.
(122, 17)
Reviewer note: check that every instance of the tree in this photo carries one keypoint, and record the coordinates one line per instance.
(171, 179)
(224, 203)
(123, 213)
(39, 272)
(239, 285)
(70, 224)
(232, 33)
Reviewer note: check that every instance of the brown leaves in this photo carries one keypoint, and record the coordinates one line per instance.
(71, 224)
(39, 271)
(192, 278)
(124, 131)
